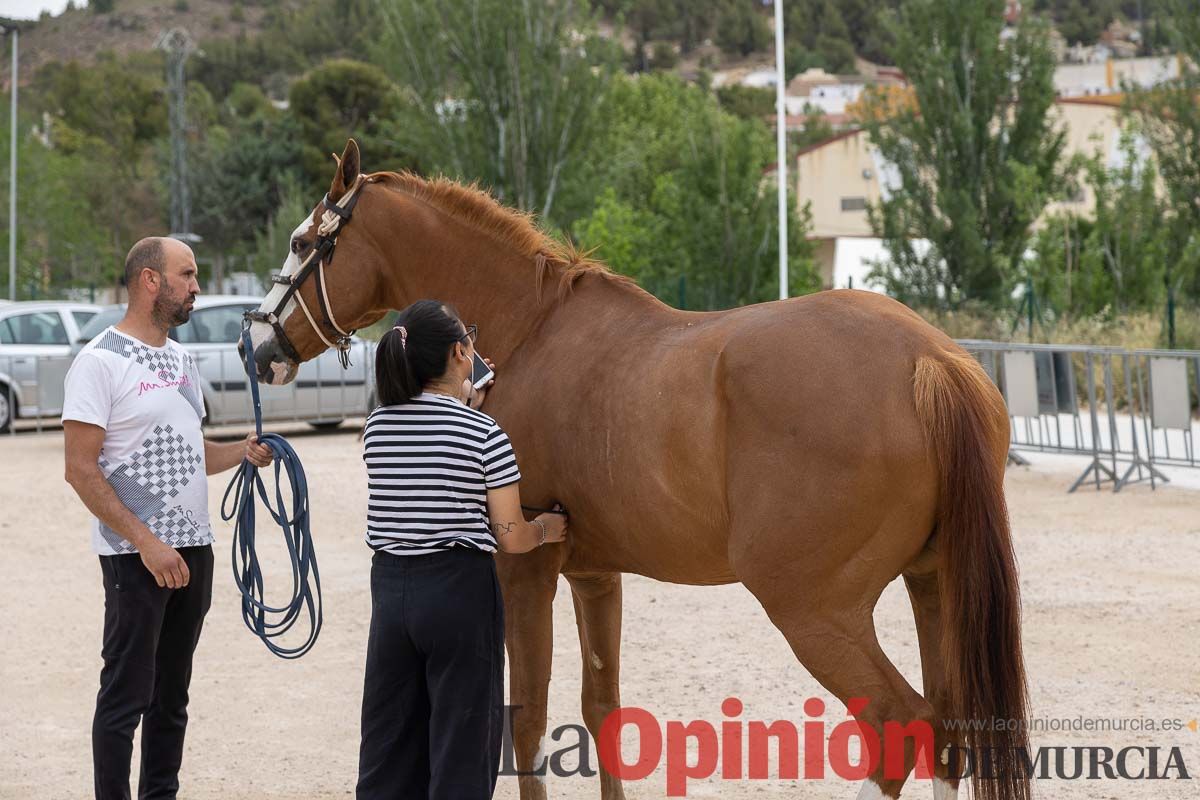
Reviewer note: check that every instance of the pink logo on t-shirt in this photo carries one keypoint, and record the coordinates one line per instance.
(167, 382)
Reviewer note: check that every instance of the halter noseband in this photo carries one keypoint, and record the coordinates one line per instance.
(333, 219)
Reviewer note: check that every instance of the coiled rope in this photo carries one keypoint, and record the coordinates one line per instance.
(265, 621)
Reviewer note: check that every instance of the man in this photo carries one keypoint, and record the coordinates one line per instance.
(136, 457)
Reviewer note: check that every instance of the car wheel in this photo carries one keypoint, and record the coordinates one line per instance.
(8, 408)
(327, 425)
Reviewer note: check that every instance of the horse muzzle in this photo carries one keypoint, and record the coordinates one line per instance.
(271, 364)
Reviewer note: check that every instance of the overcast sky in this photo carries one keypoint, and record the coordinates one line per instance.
(30, 9)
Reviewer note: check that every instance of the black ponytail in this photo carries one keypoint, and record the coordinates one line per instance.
(405, 365)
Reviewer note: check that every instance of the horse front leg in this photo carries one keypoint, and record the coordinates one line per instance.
(597, 599)
(528, 582)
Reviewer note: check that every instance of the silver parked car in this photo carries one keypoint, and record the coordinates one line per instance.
(322, 395)
(35, 351)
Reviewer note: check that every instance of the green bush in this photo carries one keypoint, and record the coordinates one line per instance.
(663, 56)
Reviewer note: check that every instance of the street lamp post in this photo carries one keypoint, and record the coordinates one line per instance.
(781, 150)
(12, 169)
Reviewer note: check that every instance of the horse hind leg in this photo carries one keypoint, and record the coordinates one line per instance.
(597, 599)
(825, 614)
(922, 583)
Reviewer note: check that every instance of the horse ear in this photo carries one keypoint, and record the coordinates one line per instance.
(347, 171)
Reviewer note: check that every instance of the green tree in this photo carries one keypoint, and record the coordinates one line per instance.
(626, 238)
(976, 157)
(339, 99)
(272, 241)
(1169, 115)
(239, 174)
(687, 22)
(866, 23)
(1129, 244)
(1078, 21)
(816, 129)
(1122, 257)
(1056, 270)
(107, 119)
(223, 63)
(500, 92)
(741, 29)
(59, 243)
(681, 195)
(751, 102)
(830, 33)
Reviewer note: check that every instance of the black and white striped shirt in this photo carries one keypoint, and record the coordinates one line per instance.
(430, 463)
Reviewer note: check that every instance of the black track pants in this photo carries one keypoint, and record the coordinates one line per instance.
(433, 698)
(149, 637)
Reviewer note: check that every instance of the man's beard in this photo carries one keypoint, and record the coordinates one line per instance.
(170, 311)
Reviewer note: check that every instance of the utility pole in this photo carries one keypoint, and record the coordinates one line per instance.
(781, 171)
(15, 33)
(178, 45)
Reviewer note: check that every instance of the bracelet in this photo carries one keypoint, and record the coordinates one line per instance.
(541, 525)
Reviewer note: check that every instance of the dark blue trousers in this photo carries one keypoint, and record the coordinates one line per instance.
(433, 697)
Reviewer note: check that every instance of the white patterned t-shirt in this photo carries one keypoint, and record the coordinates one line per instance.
(148, 401)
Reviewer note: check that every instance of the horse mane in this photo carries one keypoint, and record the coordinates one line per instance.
(475, 207)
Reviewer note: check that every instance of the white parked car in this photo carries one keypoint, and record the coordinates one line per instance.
(35, 351)
(322, 395)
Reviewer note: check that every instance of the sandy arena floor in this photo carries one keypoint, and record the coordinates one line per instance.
(1112, 630)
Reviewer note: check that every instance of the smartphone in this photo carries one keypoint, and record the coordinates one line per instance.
(481, 373)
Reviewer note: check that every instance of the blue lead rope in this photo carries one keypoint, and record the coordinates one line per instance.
(265, 621)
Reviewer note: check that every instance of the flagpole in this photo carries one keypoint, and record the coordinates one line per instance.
(781, 149)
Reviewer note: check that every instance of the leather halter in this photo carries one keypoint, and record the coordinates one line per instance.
(333, 219)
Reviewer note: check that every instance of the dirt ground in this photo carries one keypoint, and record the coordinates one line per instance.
(1112, 630)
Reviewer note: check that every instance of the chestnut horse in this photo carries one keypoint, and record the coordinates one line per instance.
(813, 449)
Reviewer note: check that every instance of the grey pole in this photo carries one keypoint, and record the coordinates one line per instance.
(781, 150)
(12, 176)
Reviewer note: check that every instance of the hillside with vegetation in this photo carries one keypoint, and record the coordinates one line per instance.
(601, 119)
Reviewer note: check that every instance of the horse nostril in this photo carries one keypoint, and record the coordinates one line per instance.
(263, 356)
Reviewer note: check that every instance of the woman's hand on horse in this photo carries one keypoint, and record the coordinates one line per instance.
(556, 525)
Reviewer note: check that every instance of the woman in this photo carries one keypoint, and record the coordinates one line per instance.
(443, 497)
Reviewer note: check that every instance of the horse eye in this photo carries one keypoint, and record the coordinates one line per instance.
(297, 246)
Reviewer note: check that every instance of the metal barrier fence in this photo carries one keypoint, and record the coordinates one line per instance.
(31, 389)
(1129, 411)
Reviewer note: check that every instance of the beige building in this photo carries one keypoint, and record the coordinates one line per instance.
(840, 177)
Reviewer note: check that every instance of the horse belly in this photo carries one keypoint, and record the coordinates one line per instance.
(649, 498)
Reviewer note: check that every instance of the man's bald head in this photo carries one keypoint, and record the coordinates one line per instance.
(153, 252)
(160, 274)
(146, 254)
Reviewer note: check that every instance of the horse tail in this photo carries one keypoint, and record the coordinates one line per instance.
(966, 424)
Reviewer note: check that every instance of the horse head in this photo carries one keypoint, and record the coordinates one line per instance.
(317, 301)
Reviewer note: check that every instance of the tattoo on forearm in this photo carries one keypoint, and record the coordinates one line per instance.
(501, 528)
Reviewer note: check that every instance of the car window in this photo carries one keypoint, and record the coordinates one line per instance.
(109, 316)
(38, 327)
(82, 317)
(106, 317)
(217, 325)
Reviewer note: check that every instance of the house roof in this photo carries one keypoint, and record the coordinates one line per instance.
(837, 137)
